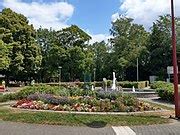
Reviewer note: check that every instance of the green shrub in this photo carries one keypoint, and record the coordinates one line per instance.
(63, 92)
(165, 90)
(158, 84)
(2, 98)
(143, 84)
(98, 84)
(105, 105)
(7, 97)
(87, 86)
(75, 91)
(112, 95)
(127, 84)
(46, 89)
(65, 84)
(37, 89)
(129, 100)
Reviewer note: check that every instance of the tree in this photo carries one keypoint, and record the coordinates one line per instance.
(159, 47)
(4, 59)
(72, 36)
(46, 40)
(128, 41)
(101, 62)
(66, 48)
(25, 56)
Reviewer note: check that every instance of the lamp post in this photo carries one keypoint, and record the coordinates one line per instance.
(39, 71)
(137, 69)
(94, 77)
(175, 72)
(59, 75)
(137, 64)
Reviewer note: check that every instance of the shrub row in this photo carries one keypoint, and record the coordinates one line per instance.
(59, 91)
(47, 89)
(124, 84)
(165, 90)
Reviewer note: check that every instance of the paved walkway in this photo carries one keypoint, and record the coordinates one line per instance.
(12, 90)
(169, 129)
(12, 128)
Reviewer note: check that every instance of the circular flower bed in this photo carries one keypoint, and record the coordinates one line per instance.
(123, 103)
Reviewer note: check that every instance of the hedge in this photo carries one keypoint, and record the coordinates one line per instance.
(165, 90)
(124, 84)
(46, 89)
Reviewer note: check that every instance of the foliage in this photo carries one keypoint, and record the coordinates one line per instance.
(50, 99)
(4, 59)
(102, 60)
(123, 84)
(126, 84)
(72, 36)
(124, 103)
(47, 89)
(159, 47)
(165, 90)
(112, 95)
(41, 89)
(65, 48)
(7, 97)
(129, 40)
(25, 56)
(27, 53)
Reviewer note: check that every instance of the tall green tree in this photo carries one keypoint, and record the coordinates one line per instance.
(102, 61)
(4, 59)
(26, 54)
(50, 53)
(159, 47)
(72, 36)
(129, 40)
(66, 48)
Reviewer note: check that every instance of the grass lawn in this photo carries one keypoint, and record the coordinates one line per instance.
(78, 119)
(158, 105)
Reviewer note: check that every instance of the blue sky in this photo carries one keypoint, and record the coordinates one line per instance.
(93, 16)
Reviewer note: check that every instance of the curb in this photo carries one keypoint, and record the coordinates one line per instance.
(158, 112)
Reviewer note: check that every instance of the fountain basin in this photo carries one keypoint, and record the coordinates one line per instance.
(142, 94)
(139, 93)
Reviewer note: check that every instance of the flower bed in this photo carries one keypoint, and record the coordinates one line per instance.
(124, 103)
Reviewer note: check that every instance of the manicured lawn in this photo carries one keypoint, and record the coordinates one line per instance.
(78, 119)
(159, 105)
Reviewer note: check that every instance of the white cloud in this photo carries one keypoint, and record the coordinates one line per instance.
(99, 38)
(146, 11)
(114, 17)
(54, 14)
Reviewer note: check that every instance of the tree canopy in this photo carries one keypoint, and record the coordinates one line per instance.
(26, 53)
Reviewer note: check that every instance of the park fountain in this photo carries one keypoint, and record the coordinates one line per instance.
(114, 82)
(140, 93)
(133, 89)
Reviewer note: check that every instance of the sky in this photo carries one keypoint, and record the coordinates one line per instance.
(93, 16)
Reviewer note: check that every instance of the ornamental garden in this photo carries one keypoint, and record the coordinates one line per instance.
(75, 98)
(44, 70)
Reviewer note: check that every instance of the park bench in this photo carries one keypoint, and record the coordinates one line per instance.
(2, 89)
